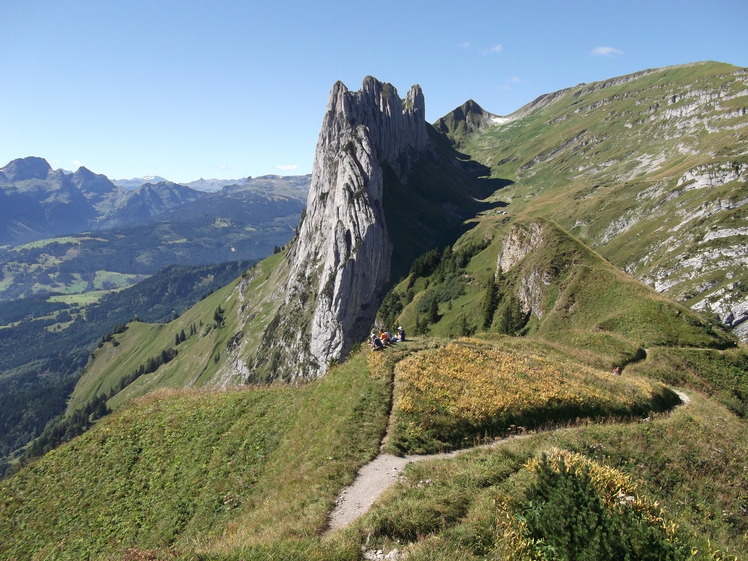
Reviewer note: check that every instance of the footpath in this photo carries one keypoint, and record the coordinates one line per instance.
(382, 472)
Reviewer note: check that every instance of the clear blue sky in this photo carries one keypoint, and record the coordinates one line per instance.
(228, 89)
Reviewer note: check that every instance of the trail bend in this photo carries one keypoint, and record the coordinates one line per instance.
(382, 472)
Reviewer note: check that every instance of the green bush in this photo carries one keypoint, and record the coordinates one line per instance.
(567, 519)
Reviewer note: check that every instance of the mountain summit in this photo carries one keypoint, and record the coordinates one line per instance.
(383, 191)
(344, 248)
(23, 169)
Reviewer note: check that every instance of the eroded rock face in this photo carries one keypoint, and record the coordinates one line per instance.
(517, 244)
(340, 262)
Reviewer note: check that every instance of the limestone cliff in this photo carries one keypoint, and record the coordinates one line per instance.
(340, 263)
(519, 242)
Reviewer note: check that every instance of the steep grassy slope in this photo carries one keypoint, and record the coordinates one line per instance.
(429, 211)
(649, 169)
(199, 470)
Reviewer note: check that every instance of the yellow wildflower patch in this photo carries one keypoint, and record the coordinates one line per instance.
(487, 386)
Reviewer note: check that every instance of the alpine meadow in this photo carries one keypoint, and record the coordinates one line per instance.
(572, 284)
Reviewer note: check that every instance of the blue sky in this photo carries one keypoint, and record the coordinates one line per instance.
(229, 89)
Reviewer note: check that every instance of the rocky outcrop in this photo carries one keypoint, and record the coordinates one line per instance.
(517, 244)
(713, 175)
(340, 263)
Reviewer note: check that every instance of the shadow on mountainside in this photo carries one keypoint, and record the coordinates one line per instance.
(444, 190)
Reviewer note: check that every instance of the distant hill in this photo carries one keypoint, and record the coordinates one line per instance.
(146, 203)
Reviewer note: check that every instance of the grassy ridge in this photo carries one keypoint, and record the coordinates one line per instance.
(580, 301)
(470, 389)
(206, 470)
(253, 474)
(720, 374)
(692, 467)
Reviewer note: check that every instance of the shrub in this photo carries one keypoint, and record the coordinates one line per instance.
(575, 509)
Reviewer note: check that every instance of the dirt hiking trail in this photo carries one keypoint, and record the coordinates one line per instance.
(382, 472)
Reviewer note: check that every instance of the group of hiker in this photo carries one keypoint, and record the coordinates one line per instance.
(378, 341)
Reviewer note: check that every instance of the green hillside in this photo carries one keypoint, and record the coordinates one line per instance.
(513, 334)
(648, 169)
(45, 342)
(189, 470)
(253, 474)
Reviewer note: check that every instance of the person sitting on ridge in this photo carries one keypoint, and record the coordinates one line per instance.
(401, 333)
(384, 337)
(375, 343)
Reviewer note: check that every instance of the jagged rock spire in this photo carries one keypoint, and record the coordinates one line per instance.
(340, 263)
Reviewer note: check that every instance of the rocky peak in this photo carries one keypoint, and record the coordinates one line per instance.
(92, 184)
(340, 263)
(393, 126)
(23, 169)
(465, 119)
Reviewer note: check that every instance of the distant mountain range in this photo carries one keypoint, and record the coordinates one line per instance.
(135, 182)
(207, 185)
(64, 232)
(37, 202)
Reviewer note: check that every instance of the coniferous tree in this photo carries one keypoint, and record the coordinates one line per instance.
(464, 328)
(489, 304)
(433, 316)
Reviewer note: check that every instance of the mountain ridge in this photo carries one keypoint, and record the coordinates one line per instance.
(668, 154)
(40, 202)
(530, 282)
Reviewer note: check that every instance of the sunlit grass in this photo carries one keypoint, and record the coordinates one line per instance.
(476, 388)
(216, 472)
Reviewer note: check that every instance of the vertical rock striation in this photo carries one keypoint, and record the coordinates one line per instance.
(518, 244)
(340, 263)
